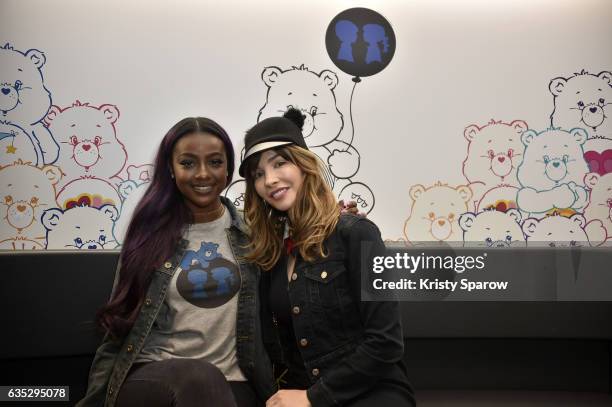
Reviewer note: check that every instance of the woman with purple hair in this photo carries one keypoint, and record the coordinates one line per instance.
(182, 326)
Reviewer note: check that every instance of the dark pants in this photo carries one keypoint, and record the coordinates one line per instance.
(182, 383)
(385, 394)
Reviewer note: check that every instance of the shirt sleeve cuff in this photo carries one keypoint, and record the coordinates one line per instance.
(319, 395)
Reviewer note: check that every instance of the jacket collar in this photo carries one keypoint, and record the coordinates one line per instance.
(236, 215)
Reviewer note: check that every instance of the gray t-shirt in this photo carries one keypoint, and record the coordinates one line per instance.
(198, 317)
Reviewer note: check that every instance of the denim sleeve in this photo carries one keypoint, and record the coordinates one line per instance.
(100, 373)
(381, 344)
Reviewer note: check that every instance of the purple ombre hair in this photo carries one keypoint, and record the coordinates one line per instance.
(155, 230)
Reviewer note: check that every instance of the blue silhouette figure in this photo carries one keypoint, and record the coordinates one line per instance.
(224, 278)
(374, 34)
(198, 278)
(206, 253)
(346, 31)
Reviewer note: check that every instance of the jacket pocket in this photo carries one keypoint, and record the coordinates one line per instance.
(324, 273)
(327, 286)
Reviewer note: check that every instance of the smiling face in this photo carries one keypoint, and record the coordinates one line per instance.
(199, 165)
(277, 180)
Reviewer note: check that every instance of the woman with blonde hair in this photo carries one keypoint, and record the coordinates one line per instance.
(328, 347)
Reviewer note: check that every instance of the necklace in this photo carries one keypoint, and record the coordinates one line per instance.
(218, 213)
(211, 216)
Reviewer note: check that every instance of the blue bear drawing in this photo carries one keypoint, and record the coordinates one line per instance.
(207, 252)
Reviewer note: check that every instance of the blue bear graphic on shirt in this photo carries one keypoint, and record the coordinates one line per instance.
(222, 275)
(224, 278)
(207, 252)
(198, 278)
(198, 264)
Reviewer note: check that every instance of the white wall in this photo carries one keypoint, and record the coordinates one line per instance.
(456, 63)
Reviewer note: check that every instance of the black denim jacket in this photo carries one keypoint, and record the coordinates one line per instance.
(347, 345)
(114, 359)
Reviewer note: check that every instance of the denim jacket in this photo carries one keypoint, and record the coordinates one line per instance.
(114, 359)
(347, 345)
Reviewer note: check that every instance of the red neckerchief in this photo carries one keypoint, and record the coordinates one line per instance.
(288, 241)
(289, 245)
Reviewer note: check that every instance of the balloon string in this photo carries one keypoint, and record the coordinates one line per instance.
(356, 80)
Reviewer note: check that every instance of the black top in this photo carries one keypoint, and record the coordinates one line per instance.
(280, 306)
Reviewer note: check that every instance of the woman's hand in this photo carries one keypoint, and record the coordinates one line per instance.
(289, 398)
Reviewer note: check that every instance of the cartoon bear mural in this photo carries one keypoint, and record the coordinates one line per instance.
(493, 154)
(80, 227)
(598, 155)
(582, 101)
(131, 191)
(600, 200)
(500, 198)
(92, 191)
(561, 231)
(24, 99)
(21, 243)
(235, 192)
(140, 173)
(492, 229)
(17, 144)
(314, 95)
(90, 146)
(552, 172)
(26, 192)
(434, 213)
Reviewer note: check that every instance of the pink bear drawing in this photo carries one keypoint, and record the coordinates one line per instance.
(88, 140)
(493, 155)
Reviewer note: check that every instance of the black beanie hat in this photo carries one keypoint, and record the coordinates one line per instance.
(273, 132)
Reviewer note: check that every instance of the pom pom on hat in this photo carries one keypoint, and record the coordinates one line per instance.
(296, 117)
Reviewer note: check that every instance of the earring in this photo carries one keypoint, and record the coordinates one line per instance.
(172, 175)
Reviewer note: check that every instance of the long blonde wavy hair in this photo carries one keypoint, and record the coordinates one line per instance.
(312, 218)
